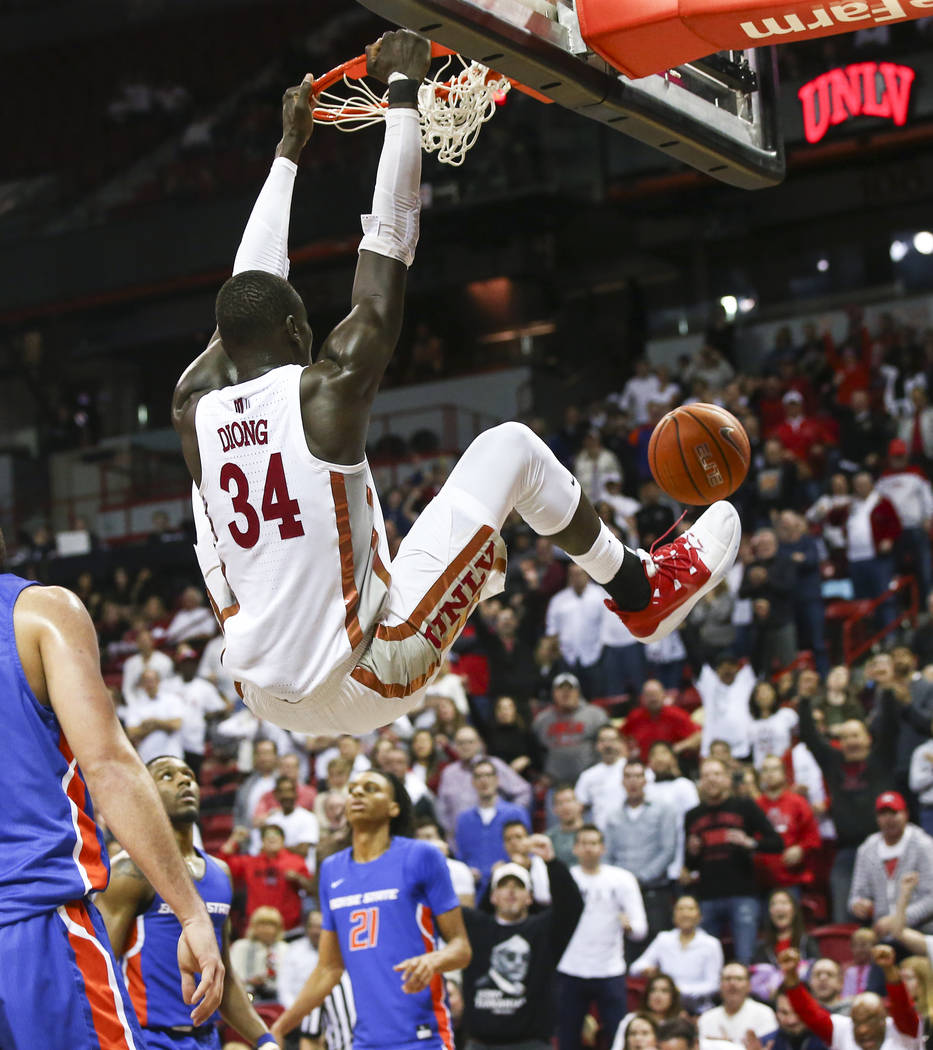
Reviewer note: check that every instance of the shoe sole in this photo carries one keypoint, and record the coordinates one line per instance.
(728, 560)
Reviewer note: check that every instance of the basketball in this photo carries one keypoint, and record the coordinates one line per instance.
(699, 454)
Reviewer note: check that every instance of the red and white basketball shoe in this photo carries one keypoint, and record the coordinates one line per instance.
(680, 573)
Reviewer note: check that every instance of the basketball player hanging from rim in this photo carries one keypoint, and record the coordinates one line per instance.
(322, 632)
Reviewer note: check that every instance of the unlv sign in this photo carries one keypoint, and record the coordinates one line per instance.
(870, 89)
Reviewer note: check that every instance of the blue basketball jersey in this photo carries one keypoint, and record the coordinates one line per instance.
(51, 851)
(383, 912)
(150, 960)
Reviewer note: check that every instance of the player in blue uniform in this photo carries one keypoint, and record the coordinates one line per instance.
(59, 983)
(383, 901)
(144, 931)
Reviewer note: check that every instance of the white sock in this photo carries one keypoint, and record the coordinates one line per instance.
(604, 559)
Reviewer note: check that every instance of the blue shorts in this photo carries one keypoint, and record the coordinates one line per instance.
(60, 985)
(169, 1041)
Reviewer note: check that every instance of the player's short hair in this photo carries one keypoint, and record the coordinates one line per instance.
(588, 827)
(161, 758)
(253, 305)
(402, 822)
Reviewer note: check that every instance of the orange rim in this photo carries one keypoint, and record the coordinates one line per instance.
(355, 69)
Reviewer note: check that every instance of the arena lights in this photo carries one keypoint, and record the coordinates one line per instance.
(730, 305)
(923, 242)
(870, 89)
(898, 250)
(822, 265)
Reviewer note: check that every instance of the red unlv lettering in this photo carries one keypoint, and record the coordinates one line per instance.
(242, 433)
(844, 93)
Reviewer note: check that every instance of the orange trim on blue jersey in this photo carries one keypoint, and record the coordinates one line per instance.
(426, 925)
(90, 857)
(101, 990)
(133, 974)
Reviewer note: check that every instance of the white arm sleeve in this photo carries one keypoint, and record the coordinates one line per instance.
(265, 240)
(392, 227)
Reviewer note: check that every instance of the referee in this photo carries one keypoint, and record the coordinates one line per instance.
(330, 1026)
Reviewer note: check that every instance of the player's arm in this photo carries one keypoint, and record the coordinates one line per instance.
(455, 955)
(322, 980)
(354, 356)
(128, 894)
(264, 247)
(59, 652)
(235, 1006)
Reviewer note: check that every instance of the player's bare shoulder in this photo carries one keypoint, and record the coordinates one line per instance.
(48, 613)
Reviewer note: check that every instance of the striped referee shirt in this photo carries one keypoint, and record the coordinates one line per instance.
(335, 1018)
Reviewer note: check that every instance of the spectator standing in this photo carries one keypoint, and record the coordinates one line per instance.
(915, 428)
(655, 517)
(677, 792)
(783, 928)
(507, 987)
(772, 727)
(793, 819)
(908, 490)
(855, 774)
(592, 969)
(147, 657)
(825, 980)
(194, 622)
(921, 782)
(838, 703)
(798, 434)
(456, 792)
(599, 787)
(870, 1026)
(260, 782)
(594, 463)
(524, 849)
(299, 825)
(721, 835)
(298, 960)
(804, 551)
(567, 730)
(913, 696)
(739, 1013)
(511, 658)
(569, 812)
(306, 796)
(622, 661)
(479, 829)
(656, 720)
(461, 877)
(687, 954)
(883, 859)
(154, 722)
(725, 693)
(641, 388)
(509, 738)
(770, 582)
(862, 974)
(642, 838)
(199, 700)
(575, 617)
(872, 528)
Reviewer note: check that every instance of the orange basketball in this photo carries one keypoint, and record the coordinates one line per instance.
(699, 454)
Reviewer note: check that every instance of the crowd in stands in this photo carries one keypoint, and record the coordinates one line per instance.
(720, 798)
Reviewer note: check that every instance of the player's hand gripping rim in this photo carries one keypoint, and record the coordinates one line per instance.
(198, 954)
(417, 972)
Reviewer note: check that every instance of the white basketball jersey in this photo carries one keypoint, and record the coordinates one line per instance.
(292, 549)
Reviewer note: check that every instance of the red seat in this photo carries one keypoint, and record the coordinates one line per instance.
(836, 941)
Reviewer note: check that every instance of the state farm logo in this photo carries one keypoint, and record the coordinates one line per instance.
(869, 89)
(843, 18)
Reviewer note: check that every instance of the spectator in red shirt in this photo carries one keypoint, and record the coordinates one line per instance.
(797, 433)
(273, 878)
(793, 819)
(657, 720)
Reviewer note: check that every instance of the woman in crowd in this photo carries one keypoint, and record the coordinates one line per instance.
(641, 1033)
(659, 1002)
(917, 975)
(839, 703)
(428, 758)
(691, 956)
(783, 928)
(507, 737)
(772, 726)
(254, 958)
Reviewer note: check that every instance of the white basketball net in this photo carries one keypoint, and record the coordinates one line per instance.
(452, 113)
